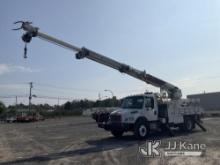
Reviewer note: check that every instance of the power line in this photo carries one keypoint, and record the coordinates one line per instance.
(36, 89)
(55, 98)
(37, 97)
(70, 89)
(66, 88)
(83, 90)
(20, 83)
(13, 96)
(77, 90)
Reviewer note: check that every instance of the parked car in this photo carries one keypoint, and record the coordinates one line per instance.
(23, 117)
(10, 119)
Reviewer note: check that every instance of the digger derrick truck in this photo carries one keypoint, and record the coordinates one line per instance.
(141, 113)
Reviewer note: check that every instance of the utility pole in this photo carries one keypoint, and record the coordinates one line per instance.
(30, 95)
(58, 102)
(16, 102)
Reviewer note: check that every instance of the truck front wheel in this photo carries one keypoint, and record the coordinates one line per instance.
(141, 129)
(117, 133)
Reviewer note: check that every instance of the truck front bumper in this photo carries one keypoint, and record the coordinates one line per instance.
(115, 126)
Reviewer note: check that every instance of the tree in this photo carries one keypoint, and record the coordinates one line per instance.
(2, 107)
(67, 105)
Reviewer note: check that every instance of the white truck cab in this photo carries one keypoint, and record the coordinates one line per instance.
(139, 105)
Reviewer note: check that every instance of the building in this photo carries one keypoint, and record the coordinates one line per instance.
(209, 101)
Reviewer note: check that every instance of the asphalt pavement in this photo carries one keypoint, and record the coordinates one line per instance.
(78, 140)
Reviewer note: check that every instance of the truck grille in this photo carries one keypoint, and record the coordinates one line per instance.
(115, 118)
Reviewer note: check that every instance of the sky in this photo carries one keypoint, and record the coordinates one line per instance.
(177, 41)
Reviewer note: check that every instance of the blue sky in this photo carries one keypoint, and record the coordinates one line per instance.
(177, 41)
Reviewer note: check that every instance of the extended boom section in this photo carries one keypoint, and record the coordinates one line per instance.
(172, 91)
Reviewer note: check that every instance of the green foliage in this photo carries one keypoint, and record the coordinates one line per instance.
(73, 108)
(2, 107)
(61, 112)
(84, 104)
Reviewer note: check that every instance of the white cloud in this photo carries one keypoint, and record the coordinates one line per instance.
(4, 69)
(198, 83)
(185, 82)
(7, 68)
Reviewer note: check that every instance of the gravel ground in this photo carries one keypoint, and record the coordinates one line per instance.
(77, 140)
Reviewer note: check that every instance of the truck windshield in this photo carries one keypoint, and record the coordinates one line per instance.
(134, 102)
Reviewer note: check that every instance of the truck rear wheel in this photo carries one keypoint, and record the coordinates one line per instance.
(188, 124)
(141, 129)
(117, 133)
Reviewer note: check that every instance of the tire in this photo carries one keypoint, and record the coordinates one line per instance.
(141, 129)
(117, 133)
(163, 129)
(188, 124)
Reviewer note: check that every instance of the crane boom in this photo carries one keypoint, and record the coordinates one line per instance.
(172, 91)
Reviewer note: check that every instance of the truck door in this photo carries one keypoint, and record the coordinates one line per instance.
(150, 108)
